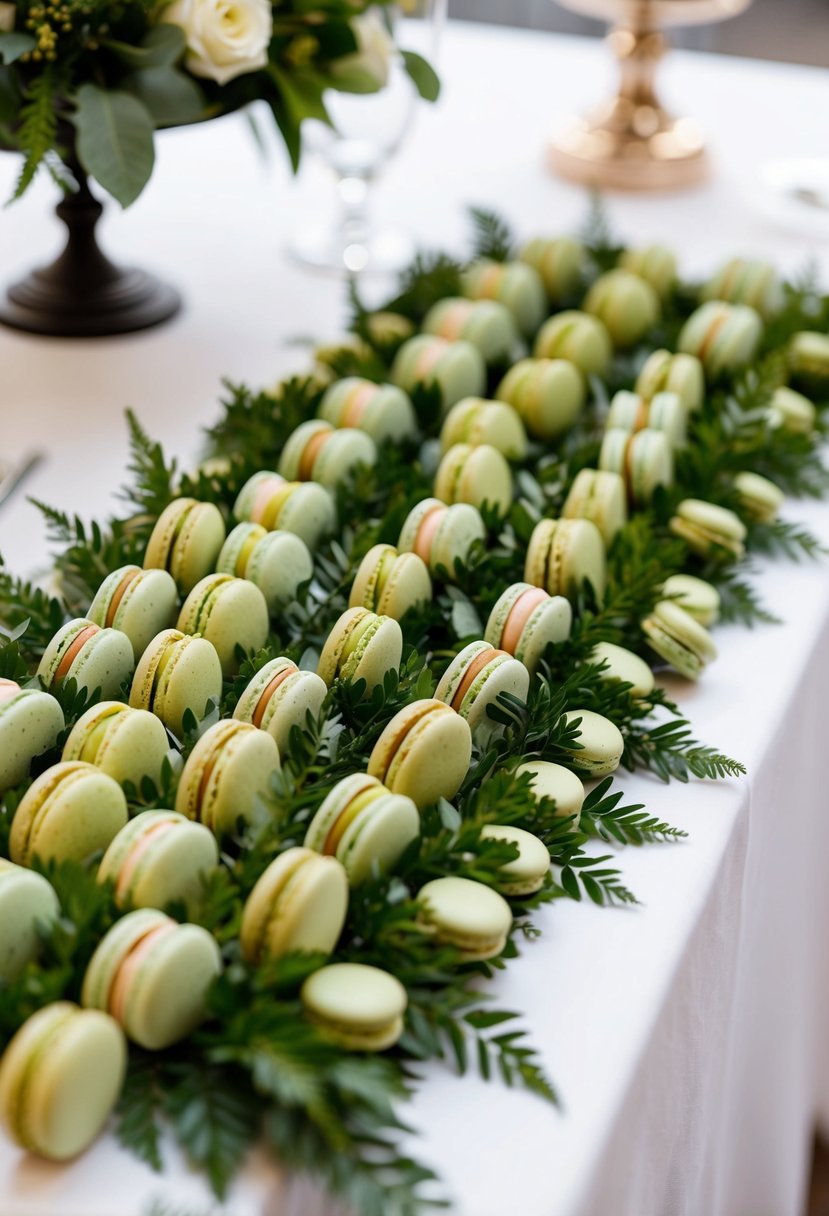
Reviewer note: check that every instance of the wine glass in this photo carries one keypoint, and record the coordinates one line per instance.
(368, 129)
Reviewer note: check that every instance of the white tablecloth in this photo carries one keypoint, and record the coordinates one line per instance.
(686, 1036)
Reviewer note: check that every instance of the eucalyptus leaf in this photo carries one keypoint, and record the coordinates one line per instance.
(9, 96)
(13, 45)
(115, 141)
(162, 46)
(424, 77)
(302, 95)
(171, 97)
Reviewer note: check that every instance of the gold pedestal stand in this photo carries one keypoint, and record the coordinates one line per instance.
(632, 142)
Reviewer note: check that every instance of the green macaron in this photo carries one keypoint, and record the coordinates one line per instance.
(177, 674)
(600, 496)
(280, 697)
(30, 722)
(475, 679)
(487, 324)
(724, 337)
(746, 281)
(679, 639)
(456, 368)
(580, 338)
(231, 613)
(516, 285)
(760, 498)
(362, 645)
(441, 535)
(28, 908)
(95, 658)
(186, 541)
(390, 583)
(624, 666)
(127, 744)
(598, 742)
(563, 555)
(525, 620)
(791, 411)
(159, 858)
(560, 261)
(695, 595)
(138, 602)
(71, 811)
(357, 1006)
(278, 562)
(548, 394)
(557, 784)
(60, 1078)
(364, 826)
(476, 420)
(656, 264)
(152, 975)
(709, 529)
(304, 508)
(317, 451)
(527, 872)
(809, 360)
(644, 459)
(664, 372)
(423, 752)
(383, 411)
(467, 915)
(299, 903)
(476, 475)
(626, 303)
(227, 776)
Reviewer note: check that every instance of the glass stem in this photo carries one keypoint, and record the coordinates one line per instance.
(354, 211)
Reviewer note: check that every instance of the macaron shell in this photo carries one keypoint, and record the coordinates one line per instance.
(104, 662)
(475, 475)
(624, 665)
(598, 495)
(71, 811)
(279, 564)
(424, 752)
(506, 676)
(301, 693)
(333, 805)
(191, 679)
(477, 420)
(526, 874)
(291, 459)
(299, 903)
(468, 915)
(459, 529)
(29, 726)
(134, 746)
(28, 904)
(378, 652)
(147, 606)
(699, 598)
(378, 837)
(60, 1078)
(548, 625)
(309, 513)
(547, 393)
(241, 762)
(344, 451)
(601, 743)
(548, 780)
(227, 614)
(358, 1006)
(166, 1000)
(168, 866)
(197, 546)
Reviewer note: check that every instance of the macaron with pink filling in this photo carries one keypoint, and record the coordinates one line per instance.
(159, 858)
(317, 451)
(30, 722)
(441, 535)
(93, 657)
(302, 507)
(383, 411)
(279, 697)
(457, 368)
(487, 324)
(526, 620)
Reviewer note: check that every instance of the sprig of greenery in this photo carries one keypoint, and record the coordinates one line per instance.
(492, 237)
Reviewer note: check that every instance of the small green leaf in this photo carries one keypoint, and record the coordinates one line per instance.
(13, 45)
(162, 46)
(424, 77)
(171, 97)
(302, 95)
(115, 141)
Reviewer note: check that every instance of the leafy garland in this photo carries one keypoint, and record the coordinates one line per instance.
(256, 1069)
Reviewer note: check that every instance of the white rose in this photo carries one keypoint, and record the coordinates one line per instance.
(6, 17)
(368, 68)
(225, 38)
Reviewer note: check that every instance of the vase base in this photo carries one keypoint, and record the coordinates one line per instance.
(129, 300)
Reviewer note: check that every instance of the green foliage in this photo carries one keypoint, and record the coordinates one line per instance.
(114, 140)
(37, 127)
(492, 237)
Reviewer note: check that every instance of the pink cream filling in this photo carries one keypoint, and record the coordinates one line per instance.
(491, 280)
(269, 690)
(133, 860)
(117, 1000)
(427, 532)
(454, 319)
(357, 402)
(521, 611)
(429, 359)
(8, 689)
(264, 495)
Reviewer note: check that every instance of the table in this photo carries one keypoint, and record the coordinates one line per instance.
(687, 1035)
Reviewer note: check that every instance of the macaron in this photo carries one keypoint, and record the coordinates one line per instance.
(304, 508)
(565, 553)
(388, 329)
(600, 742)
(140, 603)
(627, 304)
(362, 645)
(383, 411)
(709, 529)
(516, 285)
(95, 658)
(809, 359)
(695, 595)
(423, 752)
(559, 784)
(390, 583)
(664, 372)
(624, 666)
(299, 903)
(760, 498)
(441, 535)
(364, 826)
(560, 261)
(488, 325)
(600, 496)
(664, 412)
(457, 368)
(69, 812)
(153, 975)
(278, 563)
(280, 697)
(791, 411)
(230, 613)
(28, 908)
(547, 394)
(578, 337)
(227, 776)
(478, 475)
(126, 744)
(746, 281)
(475, 421)
(525, 620)
(159, 858)
(644, 459)
(679, 639)
(656, 264)
(30, 722)
(186, 541)
(723, 336)
(177, 673)
(317, 451)
(60, 1078)
(527, 872)
(359, 1007)
(475, 679)
(467, 915)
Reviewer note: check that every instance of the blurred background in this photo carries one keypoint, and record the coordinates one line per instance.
(794, 30)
